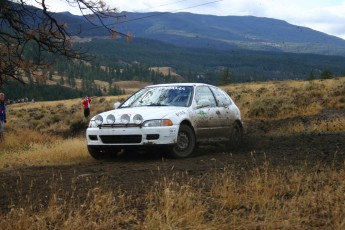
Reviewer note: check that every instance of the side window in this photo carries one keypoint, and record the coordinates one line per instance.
(222, 98)
(204, 93)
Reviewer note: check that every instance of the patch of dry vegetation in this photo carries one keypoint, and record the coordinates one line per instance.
(101, 209)
(293, 102)
(264, 198)
(131, 86)
(48, 133)
(31, 148)
(128, 86)
(57, 117)
(166, 71)
(278, 100)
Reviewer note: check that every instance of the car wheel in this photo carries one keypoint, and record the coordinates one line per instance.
(185, 144)
(236, 133)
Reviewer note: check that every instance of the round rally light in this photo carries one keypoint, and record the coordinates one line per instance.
(110, 119)
(138, 119)
(99, 119)
(125, 118)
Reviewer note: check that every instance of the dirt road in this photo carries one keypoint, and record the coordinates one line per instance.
(133, 173)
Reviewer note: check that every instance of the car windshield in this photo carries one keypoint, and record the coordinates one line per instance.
(160, 96)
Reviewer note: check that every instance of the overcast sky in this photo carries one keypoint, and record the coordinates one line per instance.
(327, 16)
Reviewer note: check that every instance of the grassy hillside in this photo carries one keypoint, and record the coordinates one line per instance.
(128, 86)
(276, 100)
(268, 108)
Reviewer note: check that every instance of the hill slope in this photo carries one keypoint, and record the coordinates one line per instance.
(217, 32)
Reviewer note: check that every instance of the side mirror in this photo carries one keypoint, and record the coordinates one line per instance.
(203, 103)
(116, 105)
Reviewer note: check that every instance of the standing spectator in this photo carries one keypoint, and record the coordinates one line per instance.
(2, 115)
(86, 103)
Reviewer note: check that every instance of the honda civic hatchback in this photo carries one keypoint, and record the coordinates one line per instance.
(174, 118)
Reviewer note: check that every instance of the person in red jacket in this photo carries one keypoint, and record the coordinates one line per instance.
(86, 103)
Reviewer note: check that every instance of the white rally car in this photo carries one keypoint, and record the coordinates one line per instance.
(174, 116)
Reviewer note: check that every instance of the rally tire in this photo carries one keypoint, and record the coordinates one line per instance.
(236, 135)
(185, 144)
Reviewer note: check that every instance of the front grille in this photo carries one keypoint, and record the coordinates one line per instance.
(121, 139)
(120, 126)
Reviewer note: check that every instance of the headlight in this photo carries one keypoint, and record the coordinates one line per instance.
(154, 123)
(110, 119)
(138, 119)
(92, 124)
(125, 119)
(99, 119)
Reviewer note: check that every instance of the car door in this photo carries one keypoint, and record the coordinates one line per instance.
(227, 114)
(206, 114)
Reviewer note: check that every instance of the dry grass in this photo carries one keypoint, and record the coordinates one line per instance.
(131, 86)
(56, 117)
(264, 198)
(176, 205)
(281, 198)
(99, 210)
(292, 103)
(31, 148)
(278, 100)
(48, 133)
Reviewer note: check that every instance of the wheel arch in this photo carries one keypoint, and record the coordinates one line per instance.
(187, 122)
(240, 123)
(190, 124)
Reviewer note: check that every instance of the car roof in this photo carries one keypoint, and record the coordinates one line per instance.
(177, 84)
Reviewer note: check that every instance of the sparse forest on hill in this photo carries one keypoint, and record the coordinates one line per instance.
(112, 61)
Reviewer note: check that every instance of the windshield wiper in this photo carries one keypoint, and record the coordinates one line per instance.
(157, 104)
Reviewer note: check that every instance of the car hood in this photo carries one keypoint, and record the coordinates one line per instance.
(147, 112)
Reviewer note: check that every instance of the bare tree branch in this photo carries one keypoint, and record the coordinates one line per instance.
(23, 26)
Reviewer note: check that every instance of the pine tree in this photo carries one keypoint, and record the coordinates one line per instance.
(225, 77)
(326, 74)
(311, 76)
(62, 81)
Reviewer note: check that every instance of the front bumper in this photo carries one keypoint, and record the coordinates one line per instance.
(131, 136)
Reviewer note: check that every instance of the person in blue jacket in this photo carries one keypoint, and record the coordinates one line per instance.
(2, 115)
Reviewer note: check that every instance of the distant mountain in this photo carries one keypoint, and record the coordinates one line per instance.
(216, 32)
